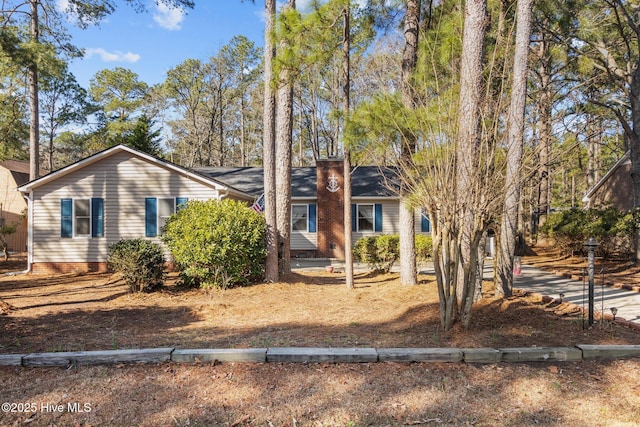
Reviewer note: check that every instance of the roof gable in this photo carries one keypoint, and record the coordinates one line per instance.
(135, 153)
(626, 158)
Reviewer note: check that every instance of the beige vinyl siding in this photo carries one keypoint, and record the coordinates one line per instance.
(303, 240)
(123, 181)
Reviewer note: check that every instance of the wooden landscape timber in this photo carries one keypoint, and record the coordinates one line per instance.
(323, 355)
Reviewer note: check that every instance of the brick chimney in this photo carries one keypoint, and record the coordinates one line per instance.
(330, 193)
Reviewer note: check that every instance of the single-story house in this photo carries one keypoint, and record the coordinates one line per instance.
(77, 212)
(614, 189)
(317, 200)
(13, 207)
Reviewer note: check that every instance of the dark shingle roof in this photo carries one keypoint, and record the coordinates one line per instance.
(19, 170)
(16, 166)
(371, 181)
(366, 181)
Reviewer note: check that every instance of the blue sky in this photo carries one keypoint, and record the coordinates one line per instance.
(152, 42)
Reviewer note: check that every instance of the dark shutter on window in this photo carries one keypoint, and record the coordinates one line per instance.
(97, 217)
(425, 225)
(66, 218)
(181, 202)
(312, 218)
(354, 217)
(378, 217)
(150, 217)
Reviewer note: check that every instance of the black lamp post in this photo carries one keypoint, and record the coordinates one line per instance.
(591, 244)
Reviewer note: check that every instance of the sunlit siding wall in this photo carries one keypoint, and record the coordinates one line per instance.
(12, 209)
(123, 182)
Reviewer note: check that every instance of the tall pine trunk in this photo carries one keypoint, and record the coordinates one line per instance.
(468, 151)
(34, 107)
(346, 106)
(269, 148)
(515, 142)
(284, 141)
(407, 223)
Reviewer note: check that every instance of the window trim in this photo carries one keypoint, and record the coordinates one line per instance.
(76, 217)
(373, 218)
(159, 218)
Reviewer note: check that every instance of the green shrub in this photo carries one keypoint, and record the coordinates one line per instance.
(217, 243)
(612, 228)
(364, 250)
(378, 252)
(140, 262)
(381, 252)
(424, 247)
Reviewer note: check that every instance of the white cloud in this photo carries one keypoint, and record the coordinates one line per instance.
(169, 18)
(116, 56)
(62, 4)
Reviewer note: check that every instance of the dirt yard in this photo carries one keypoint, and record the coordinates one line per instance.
(90, 312)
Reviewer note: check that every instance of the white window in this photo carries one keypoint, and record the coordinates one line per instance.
(299, 217)
(82, 217)
(166, 208)
(365, 217)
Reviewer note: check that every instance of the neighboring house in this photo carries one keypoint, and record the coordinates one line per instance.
(614, 189)
(318, 203)
(13, 207)
(77, 212)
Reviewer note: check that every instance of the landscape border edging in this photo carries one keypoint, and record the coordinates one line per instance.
(576, 353)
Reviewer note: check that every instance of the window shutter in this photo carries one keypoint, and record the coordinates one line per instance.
(181, 202)
(150, 217)
(354, 217)
(97, 217)
(312, 218)
(66, 218)
(378, 217)
(425, 225)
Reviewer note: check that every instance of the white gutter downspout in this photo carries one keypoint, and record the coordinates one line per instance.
(29, 198)
(29, 232)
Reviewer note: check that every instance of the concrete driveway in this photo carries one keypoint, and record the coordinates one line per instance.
(605, 297)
